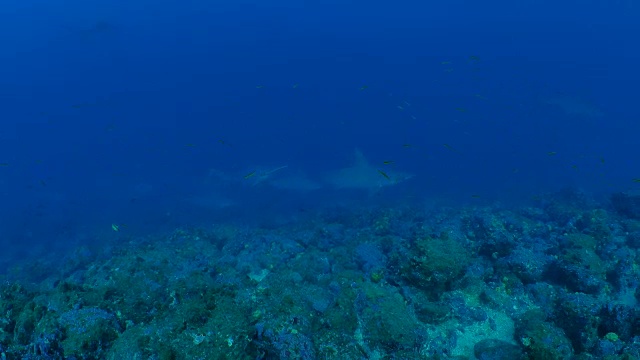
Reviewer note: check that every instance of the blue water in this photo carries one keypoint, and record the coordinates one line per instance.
(122, 119)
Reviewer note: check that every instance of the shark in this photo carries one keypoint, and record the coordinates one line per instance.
(211, 201)
(361, 175)
(574, 106)
(262, 176)
(283, 180)
(295, 182)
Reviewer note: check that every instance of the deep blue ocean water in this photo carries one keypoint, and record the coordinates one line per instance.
(117, 111)
(123, 119)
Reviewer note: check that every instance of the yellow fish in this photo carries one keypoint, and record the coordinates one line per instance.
(384, 174)
(452, 148)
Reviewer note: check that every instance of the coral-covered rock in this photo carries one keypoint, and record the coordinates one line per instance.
(627, 204)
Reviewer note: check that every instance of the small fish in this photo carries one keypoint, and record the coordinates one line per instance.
(413, 117)
(249, 175)
(474, 58)
(400, 107)
(475, 196)
(388, 162)
(384, 174)
(602, 160)
(407, 146)
(636, 180)
(267, 173)
(295, 86)
(364, 87)
(461, 109)
(115, 227)
(224, 143)
(480, 97)
(551, 153)
(574, 167)
(406, 103)
(4, 164)
(190, 145)
(451, 148)
(445, 63)
(259, 86)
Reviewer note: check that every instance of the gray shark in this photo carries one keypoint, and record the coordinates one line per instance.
(361, 175)
(574, 106)
(296, 182)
